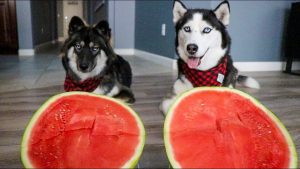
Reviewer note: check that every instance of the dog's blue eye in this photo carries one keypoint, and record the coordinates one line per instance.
(187, 29)
(78, 46)
(207, 30)
(94, 49)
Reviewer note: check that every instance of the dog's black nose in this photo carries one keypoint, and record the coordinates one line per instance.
(83, 66)
(192, 48)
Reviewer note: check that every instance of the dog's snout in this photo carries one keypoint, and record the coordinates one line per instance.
(83, 66)
(192, 49)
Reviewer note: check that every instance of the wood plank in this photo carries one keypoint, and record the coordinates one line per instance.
(280, 92)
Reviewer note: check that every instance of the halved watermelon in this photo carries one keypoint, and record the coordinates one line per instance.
(213, 127)
(83, 130)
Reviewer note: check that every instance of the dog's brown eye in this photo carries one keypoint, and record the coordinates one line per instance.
(187, 29)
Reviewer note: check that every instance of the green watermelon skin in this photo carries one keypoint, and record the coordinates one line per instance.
(108, 133)
(217, 127)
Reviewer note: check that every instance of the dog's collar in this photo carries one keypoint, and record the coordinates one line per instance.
(212, 77)
(88, 85)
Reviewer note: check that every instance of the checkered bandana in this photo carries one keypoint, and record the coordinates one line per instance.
(211, 77)
(89, 85)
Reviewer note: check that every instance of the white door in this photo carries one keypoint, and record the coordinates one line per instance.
(71, 8)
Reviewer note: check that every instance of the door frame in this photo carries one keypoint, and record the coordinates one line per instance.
(13, 45)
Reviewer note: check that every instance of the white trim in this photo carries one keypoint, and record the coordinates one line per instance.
(295, 66)
(159, 59)
(61, 39)
(124, 51)
(44, 45)
(174, 65)
(241, 66)
(264, 66)
(26, 52)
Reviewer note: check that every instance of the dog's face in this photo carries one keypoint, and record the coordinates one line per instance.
(87, 47)
(202, 39)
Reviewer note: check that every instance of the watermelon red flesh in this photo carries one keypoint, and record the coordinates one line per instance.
(224, 130)
(83, 131)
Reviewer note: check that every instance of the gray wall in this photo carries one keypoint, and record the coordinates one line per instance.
(24, 24)
(197, 4)
(257, 27)
(150, 15)
(111, 15)
(124, 24)
(86, 11)
(121, 17)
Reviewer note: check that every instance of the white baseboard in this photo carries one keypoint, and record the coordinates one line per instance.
(264, 66)
(241, 66)
(159, 59)
(45, 45)
(26, 52)
(37, 48)
(295, 66)
(61, 39)
(124, 51)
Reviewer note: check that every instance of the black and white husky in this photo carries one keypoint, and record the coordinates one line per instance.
(203, 46)
(91, 64)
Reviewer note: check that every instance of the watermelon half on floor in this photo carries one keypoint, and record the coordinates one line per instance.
(213, 127)
(83, 130)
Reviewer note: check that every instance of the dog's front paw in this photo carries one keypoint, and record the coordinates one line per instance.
(181, 85)
(165, 105)
(126, 96)
(129, 100)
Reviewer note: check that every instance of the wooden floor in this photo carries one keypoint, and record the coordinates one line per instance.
(280, 92)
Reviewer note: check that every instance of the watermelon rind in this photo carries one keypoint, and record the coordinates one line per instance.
(130, 164)
(270, 114)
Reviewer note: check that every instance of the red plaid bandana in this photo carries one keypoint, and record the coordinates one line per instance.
(211, 77)
(89, 85)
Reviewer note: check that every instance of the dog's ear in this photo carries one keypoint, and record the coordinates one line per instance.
(222, 12)
(179, 10)
(104, 29)
(75, 25)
